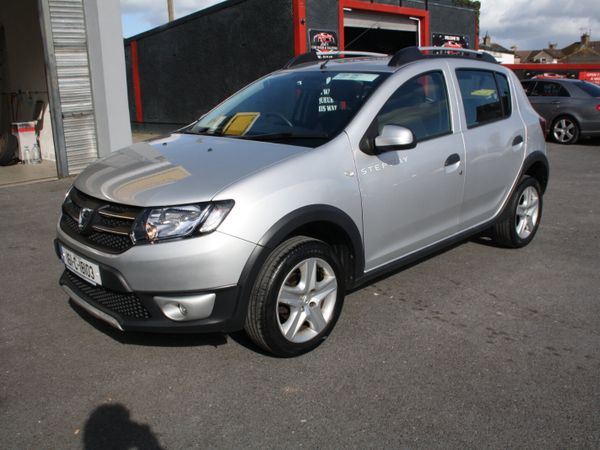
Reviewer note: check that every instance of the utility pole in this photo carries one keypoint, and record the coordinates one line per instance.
(170, 9)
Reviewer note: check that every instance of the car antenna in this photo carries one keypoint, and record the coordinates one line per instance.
(352, 42)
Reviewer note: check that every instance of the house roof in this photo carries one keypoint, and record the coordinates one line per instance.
(493, 47)
(573, 53)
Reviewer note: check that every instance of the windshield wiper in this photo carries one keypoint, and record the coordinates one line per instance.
(286, 135)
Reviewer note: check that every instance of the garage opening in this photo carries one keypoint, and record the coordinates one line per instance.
(27, 150)
(378, 32)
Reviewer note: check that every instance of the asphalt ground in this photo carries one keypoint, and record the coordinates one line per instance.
(476, 347)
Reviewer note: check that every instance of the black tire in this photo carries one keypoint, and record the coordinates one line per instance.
(265, 319)
(565, 130)
(506, 231)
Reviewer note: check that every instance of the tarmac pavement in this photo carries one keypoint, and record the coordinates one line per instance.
(476, 347)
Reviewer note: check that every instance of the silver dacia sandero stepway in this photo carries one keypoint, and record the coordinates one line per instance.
(309, 182)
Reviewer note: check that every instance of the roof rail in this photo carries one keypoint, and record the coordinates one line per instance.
(314, 56)
(410, 54)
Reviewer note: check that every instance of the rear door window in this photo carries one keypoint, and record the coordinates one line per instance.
(485, 94)
(549, 89)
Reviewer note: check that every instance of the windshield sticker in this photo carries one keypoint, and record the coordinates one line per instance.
(326, 103)
(369, 77)
(240, 123)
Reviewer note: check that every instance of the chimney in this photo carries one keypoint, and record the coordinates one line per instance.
(585, 39)
(552, 46)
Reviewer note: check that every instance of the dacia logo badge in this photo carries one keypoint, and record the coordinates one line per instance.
(85, 216)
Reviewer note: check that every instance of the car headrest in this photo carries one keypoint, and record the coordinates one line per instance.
(345, 90)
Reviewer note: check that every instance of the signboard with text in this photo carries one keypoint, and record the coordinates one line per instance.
(449, 40)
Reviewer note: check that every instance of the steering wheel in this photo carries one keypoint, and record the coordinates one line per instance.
(281, 117)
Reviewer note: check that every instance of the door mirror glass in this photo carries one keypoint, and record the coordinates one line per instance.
(394, 137)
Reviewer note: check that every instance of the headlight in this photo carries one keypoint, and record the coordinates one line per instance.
(172, 222)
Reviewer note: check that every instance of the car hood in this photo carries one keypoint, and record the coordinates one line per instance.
(178, 169)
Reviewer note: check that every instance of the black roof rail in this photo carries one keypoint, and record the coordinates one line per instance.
(410, 54)
(302, 59)
(314, 56)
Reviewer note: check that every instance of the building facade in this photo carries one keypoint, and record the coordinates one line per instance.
(180, 70)
(65, 57)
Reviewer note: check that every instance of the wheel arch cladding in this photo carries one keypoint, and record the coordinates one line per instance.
(322, 222)
(328, 224)
(536, 165)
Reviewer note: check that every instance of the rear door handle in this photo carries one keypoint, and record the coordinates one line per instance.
(452, 159)
(518, 140)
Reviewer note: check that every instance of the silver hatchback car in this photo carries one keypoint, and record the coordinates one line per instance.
(309, 182)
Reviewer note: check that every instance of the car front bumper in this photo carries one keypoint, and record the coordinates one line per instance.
(191, 285)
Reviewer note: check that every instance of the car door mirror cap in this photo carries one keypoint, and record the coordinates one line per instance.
(394, 137)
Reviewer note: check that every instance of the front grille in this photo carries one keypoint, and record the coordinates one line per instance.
(109, 225)
(126, 305)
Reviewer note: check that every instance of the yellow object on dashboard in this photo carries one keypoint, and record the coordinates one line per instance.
(240, 123)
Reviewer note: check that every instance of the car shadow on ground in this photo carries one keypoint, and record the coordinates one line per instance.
(584, 141)
(151, 339)
(168, 339)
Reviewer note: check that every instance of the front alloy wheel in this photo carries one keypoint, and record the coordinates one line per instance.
(296, 298)
(306, 301)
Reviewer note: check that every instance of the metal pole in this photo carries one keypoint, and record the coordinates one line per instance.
(170, 9)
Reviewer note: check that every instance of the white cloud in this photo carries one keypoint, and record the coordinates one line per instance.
(154, 12)
(532, 24)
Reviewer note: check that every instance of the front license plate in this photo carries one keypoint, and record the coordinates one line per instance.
(81, 266)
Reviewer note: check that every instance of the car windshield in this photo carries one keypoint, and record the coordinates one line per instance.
(590, 88)
(303, 108)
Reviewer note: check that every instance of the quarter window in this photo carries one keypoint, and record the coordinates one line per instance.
(485, 96)
(421, 105)
(548, 89)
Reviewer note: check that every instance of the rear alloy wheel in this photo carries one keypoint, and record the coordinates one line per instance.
(522, 216)
(565, 130)
(297, 297)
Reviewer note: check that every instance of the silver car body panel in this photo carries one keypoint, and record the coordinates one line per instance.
(178, 169)
(322, 176)
(207, 262)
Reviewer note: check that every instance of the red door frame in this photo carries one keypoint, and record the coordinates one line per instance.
(421, 14)
(300, 29)
(300, 37)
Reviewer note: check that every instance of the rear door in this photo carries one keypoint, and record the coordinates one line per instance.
(548, 98)
(494, 136)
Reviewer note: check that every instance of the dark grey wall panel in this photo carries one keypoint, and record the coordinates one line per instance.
(322, 14)
(452, 20)
(190, 65)
(130, 95)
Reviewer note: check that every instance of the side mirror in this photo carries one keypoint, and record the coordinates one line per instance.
(394, 137)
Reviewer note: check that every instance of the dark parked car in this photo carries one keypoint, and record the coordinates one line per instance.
(571, 107)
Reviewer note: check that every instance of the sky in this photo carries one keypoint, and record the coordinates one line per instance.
(528, 24)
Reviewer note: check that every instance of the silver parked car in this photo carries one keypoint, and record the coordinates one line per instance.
(311, 181)
(571, 107)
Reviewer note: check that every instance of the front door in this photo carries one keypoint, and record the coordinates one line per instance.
(411, 198)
